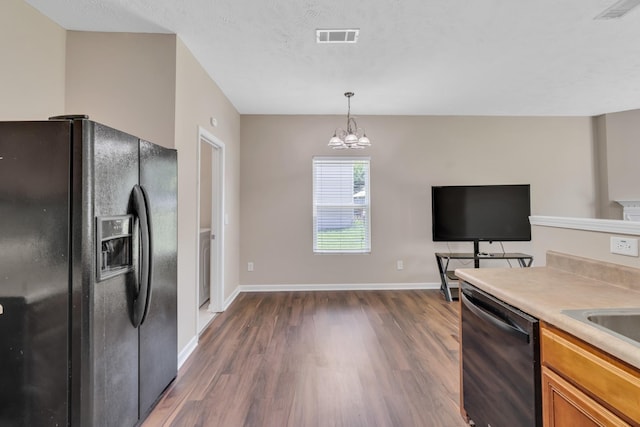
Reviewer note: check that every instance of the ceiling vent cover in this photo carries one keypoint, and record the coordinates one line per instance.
(349, 35)
(618, 9)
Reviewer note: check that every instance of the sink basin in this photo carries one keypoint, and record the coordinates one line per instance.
(624, 324)
(621, 322)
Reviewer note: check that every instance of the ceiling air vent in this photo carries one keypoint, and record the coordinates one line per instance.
(349, 35)
(618, 9)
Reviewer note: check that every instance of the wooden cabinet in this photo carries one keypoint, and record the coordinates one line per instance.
(565, 405)
(583, 386)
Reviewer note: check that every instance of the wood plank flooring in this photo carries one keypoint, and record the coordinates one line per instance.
(350, 358)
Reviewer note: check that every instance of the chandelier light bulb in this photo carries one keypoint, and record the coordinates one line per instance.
(351, 139)
(335, 141)
(364, 141)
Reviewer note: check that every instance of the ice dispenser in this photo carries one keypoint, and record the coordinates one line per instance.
(114, 245)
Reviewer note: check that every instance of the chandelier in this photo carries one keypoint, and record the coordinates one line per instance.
(353, 137)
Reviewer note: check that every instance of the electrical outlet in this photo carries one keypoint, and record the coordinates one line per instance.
(399, 264)
(624, 246)
(250, 266)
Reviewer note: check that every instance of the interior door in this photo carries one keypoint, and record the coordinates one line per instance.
(212, 159)
(214, 255)
(207, 232)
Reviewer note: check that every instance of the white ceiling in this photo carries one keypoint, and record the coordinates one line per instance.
(413, 57)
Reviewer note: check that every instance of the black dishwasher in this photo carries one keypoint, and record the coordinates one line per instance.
(500, 362)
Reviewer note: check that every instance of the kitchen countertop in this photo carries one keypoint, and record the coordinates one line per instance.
(567, 282)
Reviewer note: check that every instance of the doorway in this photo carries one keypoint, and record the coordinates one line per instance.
(210, 264)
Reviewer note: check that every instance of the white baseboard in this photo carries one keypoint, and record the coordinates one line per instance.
(231, 298)
(187, 350)
(338, 287)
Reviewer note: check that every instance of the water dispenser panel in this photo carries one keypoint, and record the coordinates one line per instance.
(114, 245)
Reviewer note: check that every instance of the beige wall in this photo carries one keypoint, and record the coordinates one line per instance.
(408, 156)
(32, 75)
(589, 244)
(623, 152)
(151, 86)
(198, 99)
(124, 80)
(605, 208)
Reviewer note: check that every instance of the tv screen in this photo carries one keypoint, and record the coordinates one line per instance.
(481, 213)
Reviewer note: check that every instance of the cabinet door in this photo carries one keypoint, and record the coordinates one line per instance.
(564, 405)
(611, 383)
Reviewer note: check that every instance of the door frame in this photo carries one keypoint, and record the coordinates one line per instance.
(216, 298)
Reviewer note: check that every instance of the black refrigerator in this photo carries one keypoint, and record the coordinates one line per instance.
(88, 254)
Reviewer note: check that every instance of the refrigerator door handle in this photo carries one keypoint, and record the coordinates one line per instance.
(149, 255)
(141, 302)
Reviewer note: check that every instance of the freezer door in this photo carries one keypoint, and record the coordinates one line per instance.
(114, 338)
(158, 331)
(34, 273)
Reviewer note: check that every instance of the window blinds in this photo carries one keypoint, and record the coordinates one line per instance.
(341, 205)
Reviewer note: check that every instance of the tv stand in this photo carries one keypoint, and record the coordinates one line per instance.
(476, 250)
(450, 290)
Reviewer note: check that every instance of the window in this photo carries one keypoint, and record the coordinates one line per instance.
(341, 205)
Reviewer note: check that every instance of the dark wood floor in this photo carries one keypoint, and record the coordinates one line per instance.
(352, 358)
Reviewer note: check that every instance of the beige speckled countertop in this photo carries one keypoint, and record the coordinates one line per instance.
(567, 282)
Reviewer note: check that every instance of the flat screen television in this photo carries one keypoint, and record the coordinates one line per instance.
(481, 213)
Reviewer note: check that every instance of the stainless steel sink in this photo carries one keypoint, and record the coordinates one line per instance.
(621, 322)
